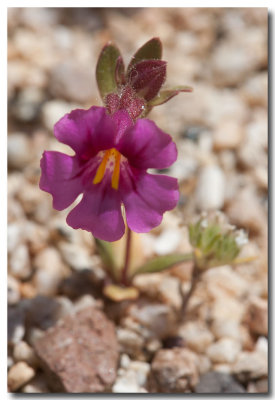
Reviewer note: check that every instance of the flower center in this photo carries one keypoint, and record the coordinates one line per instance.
(112, 159)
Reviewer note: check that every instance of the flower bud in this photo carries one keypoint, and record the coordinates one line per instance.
(215, 242)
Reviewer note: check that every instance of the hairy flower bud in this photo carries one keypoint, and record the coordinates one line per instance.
(215, 242)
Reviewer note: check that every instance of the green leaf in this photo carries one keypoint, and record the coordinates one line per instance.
(209, 236)
(105, 251)
(167, 94)
(151, 50)
(161, 263)
(106, 69)
(194, 233)
(120, 71)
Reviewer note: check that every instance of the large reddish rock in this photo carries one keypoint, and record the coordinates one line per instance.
(80, 354)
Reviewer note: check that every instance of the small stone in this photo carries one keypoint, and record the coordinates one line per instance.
(141, 370)
(237, 57)
(225, 350)
(167, 242)
(124, 361)
(85, 301)
(253, 151)
(262, 345)
(66, 307)
(217, 382)
(27, 290)
(227, 307)
(16, 324)
(20, 150)
(50, 270)
(19, 374)
(36, 385)
(173, 371)
(250, 365)
(226, 328)
(159, 319)
(228, 135)
(257, 316)
(53, 110)
(23, 352)
(13, 291)
(222, 367)
(78, 284)
(42, 312)
(159, 286)
(71, 81)
(259, 386)
(225, 281)
(35, 203)
(33, 335)
(126, 383)
(36, 236)
(77, 256)
(210, 190)
(204, 364)
(15, 210)
(246, 211)
(196, 335)
(130, 342)
(261, 176)
(19, 262)
(88, 339)
(133, 380)
(255, 90)
(15, 231)
(27, 104)
(153, 345)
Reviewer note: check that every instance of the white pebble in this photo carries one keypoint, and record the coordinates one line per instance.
(19, 374)
(210, 191)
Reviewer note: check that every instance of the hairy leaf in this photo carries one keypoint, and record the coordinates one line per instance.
(167, 94)
(106, 69)
(151, 50)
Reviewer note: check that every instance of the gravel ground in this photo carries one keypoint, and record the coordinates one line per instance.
(54, 272)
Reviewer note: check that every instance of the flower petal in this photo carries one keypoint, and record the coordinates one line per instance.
(148, 200)
(59, 178)
(86, 131)
(99, 212)
(122, 121)
(147, 146)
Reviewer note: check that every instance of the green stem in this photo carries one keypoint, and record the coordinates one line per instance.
(186, 298)
(124, 273)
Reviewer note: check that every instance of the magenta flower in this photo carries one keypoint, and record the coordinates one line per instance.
(109, 167)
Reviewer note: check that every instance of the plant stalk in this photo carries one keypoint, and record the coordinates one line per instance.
(187, 296)
(124, 273)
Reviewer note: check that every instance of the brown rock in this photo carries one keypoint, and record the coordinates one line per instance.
(257, 316)
(174, 371)
(80, 354)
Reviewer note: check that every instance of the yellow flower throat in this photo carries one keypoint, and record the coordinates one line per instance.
(112, 156)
